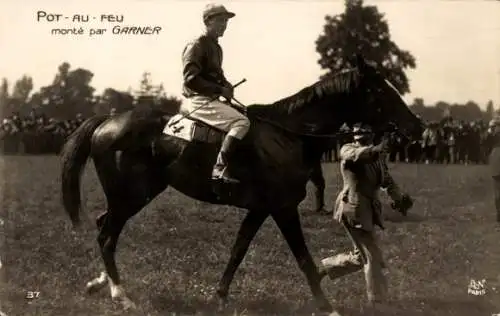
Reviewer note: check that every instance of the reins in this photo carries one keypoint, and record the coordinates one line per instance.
(275, 124)
(391, 129)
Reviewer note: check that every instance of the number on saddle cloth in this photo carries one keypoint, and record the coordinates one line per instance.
(191, 130)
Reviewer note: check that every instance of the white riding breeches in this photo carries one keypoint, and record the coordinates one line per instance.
(218, 114)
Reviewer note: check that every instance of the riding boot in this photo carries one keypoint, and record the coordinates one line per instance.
(221, 170)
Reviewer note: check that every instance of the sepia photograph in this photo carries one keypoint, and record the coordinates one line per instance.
(247, 158)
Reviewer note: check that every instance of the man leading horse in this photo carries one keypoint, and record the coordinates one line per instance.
(358, 209)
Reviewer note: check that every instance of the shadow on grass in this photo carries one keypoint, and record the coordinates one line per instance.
(395, 217)
(434, 307)
(410, 307)
(406, 307)
(260, 307)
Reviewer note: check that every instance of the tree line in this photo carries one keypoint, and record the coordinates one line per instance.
(71, 94)
(467, 112)
(359, 29)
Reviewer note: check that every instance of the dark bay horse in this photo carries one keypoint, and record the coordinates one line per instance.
(135, 162)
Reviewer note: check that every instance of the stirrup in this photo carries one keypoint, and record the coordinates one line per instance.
(225, 179)
(221, 176)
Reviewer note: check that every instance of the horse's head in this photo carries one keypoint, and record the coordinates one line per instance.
(382, 105)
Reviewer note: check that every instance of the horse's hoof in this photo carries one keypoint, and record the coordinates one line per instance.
(96, 284)
(221, 301)
(334, 313)
(126, 303)
(325, 306)
(92, 288)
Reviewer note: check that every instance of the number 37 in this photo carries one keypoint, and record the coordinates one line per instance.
(32, 294)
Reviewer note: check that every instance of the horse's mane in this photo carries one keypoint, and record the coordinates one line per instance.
(341, 82)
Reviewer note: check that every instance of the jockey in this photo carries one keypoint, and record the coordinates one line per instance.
(204, 83)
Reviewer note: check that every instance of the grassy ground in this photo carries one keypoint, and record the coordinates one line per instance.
(172, 254)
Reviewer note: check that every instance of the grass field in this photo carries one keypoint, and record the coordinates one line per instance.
(172, 254)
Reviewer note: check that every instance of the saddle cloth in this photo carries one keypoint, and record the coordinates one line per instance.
(191, 129)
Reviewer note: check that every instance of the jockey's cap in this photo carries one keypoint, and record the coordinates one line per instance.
(212, 10)
(361, 130)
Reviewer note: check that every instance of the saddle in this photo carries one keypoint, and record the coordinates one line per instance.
(195, 131)
(191, 129)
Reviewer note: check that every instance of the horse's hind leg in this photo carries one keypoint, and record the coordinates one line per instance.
(108, 238)
(102, 280)
(126, 195)
(107, 171)
(110, 225)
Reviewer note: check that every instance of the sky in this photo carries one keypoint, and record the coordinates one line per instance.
(270, 43)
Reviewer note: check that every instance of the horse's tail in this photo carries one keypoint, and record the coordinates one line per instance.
(74, 156)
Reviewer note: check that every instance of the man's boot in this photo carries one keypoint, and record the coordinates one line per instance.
(340, 265)
(221, 170)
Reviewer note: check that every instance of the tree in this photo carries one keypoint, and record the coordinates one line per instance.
(22, 89)
(442, 105)
(111, 98)
(363, 30)
(145, 86)
(4, 97)
(19, 99)
(80, 92)
(490, 110)
(69, 94)
(154, 96)
(418, 105)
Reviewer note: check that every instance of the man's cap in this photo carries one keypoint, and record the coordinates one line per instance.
(212, 10)
(360, 130)
(345, 128)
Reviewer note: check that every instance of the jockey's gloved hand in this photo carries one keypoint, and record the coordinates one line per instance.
(227, 93)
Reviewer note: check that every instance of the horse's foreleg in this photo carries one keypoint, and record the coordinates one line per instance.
(289, 224)
(248, 229)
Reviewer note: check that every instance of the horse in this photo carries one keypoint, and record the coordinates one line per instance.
(136, 158)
